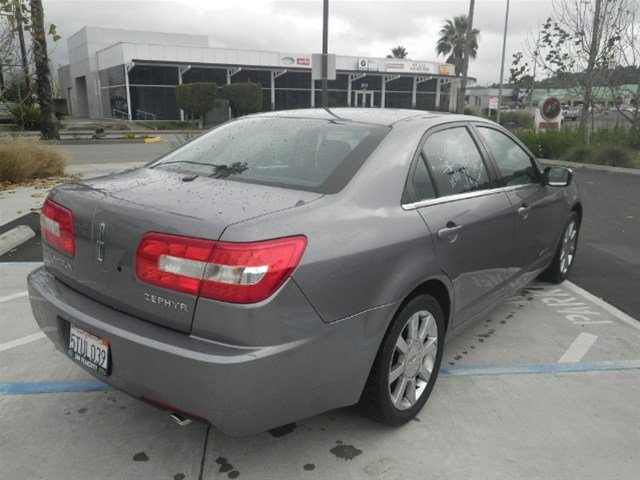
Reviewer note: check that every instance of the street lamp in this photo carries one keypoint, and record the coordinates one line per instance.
(504, 48)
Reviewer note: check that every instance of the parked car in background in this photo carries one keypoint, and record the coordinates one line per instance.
(572, 113)
(293, 262)
(5, 113)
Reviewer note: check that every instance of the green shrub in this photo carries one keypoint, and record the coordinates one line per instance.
(27, 116)
(617, 136)
(515, 119)
(614, 156)
(579, 154)
(196, 98)
(23, 159)
(475, 111)
(244, 98)
(552, 144)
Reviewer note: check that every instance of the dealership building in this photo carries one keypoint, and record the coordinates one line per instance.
(114, 73)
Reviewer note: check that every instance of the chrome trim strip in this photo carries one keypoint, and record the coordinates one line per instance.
(464, 196)
(450, 198)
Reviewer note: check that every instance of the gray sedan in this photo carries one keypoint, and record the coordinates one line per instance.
(289, 263)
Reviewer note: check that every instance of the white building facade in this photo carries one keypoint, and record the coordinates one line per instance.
(132, 75)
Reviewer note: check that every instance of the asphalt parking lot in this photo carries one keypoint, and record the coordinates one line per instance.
(547, 386)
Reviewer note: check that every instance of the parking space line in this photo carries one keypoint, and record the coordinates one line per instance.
(578, 348)
(471, 370)
(53, 387)
(540, 368)
(14, 296)
(21, 341)
(619, 314)
(20, 264)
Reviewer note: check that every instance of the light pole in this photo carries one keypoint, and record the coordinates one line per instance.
(504, 48)
(325, 47)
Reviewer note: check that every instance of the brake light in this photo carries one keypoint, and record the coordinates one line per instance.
(226, 271)
(56, 226)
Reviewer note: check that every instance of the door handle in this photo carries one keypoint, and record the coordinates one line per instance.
(449, 233)
(523, 211)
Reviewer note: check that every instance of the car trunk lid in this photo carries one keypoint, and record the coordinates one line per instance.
(112, 214)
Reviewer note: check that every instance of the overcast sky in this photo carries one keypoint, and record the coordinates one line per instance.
(356, 27)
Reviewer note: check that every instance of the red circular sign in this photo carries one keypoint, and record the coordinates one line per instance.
(551, 108)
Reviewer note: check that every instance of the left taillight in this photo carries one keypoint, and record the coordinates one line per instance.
(56, 225)
(226, 271)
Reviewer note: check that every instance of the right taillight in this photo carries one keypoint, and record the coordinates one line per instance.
(56, 225)
(243, 272)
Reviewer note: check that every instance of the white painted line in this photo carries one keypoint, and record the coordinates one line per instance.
(21, 341)
(14, 237)
(14, 296)
(578, 348)
(620, 315)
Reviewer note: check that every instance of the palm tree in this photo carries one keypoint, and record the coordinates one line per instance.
(452, 39)
(398, 52)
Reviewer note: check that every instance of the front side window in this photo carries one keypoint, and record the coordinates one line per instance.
(455, 162)
(514, 164)
(309, 154)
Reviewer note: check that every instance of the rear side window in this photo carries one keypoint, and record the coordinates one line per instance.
(455, 162)
(513, 162)
(308, 154)
(422, 181)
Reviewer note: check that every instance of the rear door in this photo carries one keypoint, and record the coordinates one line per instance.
(471, 222)
(536, 208)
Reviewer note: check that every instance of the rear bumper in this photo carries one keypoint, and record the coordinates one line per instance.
(239, 390)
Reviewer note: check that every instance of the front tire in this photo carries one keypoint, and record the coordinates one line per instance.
(565, 256)
(407, 365)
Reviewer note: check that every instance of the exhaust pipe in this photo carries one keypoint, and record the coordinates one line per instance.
(180, 419)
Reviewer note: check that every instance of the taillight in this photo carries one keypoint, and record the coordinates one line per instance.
(226, 271)
(56, 225)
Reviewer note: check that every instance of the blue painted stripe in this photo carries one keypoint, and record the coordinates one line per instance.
(538, 368)
(460, 371)
(53, 387)
(20, 264)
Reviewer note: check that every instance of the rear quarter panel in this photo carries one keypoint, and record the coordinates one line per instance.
(364, 251)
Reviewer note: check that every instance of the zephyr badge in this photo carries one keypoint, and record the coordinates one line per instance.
(100, 242)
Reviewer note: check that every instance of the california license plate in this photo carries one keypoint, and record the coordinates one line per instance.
(89, 350)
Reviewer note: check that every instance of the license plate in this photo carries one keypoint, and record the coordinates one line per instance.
(89, 350)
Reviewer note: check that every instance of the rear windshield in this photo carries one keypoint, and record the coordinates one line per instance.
(307, 154)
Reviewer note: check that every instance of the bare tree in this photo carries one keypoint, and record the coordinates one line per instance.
(626, 65)
(578, 44)
(49, 128)
(6, 49)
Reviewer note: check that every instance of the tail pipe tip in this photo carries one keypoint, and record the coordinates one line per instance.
(180, 419)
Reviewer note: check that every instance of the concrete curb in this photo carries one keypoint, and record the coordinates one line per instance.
(14, 237)
(591, 166)
(105, 141)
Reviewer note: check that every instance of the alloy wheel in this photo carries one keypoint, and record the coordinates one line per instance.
(413, 360)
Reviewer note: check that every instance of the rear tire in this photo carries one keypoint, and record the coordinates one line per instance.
(565, 255)
(407, 364)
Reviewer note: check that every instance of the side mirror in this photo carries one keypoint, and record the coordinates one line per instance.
(558, 176)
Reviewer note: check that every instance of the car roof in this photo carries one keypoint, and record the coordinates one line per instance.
(377, 116)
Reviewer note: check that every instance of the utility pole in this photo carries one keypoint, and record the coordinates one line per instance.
(49, 129)
(23, 49)
(325, 48)
(504, 48)
(462, 93)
